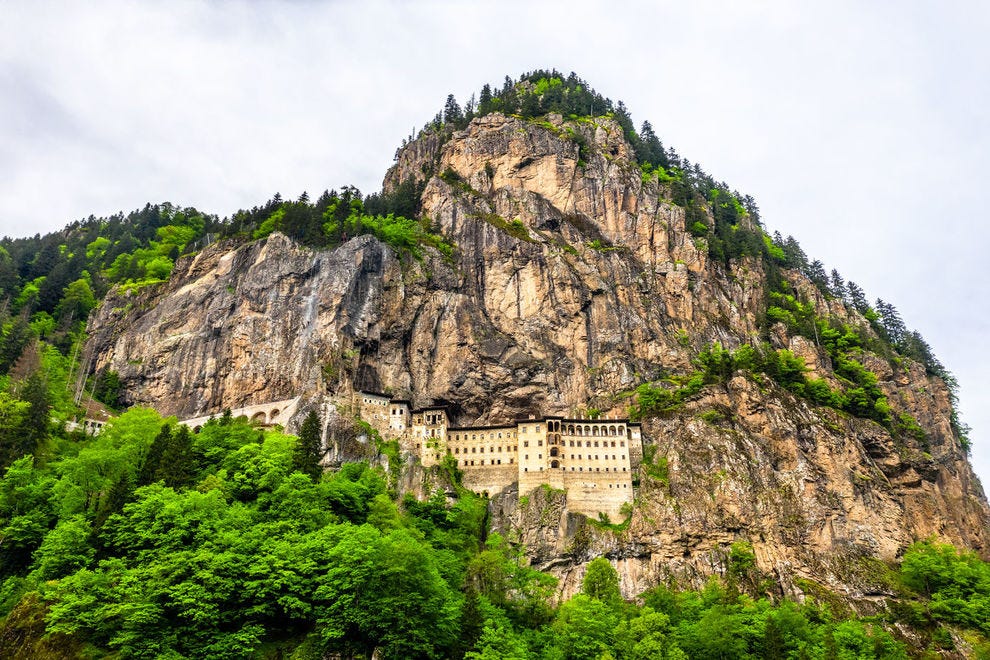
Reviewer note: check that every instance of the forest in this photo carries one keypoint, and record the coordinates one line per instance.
(150, 541)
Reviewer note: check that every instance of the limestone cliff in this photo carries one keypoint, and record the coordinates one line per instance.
(573, 281)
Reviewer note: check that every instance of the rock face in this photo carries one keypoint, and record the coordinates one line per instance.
(573, 282)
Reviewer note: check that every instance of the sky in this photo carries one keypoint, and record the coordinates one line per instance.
(862, 129)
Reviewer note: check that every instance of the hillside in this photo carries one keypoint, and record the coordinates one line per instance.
(529, 257)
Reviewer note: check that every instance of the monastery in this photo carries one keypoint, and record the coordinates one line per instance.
(591, 459)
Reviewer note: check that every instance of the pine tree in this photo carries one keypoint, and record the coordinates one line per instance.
(838, 284)
(148, 473)
(816, 273)
(38, 421)
(178, 465)
(485, 104)
(309, 450)
(891, 321)
(114, 501)
(857, 297)
(452, 111)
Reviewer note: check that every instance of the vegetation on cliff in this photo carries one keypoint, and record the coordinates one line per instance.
(149, 540)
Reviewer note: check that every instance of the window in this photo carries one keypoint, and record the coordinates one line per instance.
(525, 443)
(622, 444)
(539, 456)
(526, 457)
(539, 443)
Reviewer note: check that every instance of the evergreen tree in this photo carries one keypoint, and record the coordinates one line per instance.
(114, 501)
(148, 473)
(178, 464)
(857, 297)
(816, 273)
(452, 111)
(891, 321)
(796, 258)
(485, 104)
(651, 149)
(38, 421)
(309, 450)
(838, 284)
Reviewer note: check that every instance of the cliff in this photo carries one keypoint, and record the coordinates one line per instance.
(574, 280)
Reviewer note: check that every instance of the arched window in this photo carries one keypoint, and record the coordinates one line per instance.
(554, 464)
(553, 451)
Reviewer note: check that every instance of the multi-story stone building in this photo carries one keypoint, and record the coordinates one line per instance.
(591, 459)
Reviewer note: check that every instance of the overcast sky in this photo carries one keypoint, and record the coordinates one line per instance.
(860, 128)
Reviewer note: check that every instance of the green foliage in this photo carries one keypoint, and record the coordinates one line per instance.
(956, 585)
(601, 582)
(248, 552)
(309, 450)
(658, 399)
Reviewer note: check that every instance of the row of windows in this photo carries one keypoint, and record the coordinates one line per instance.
(554, 466)
(587, 443)
(491, 435)
(540, 456)
(481, 450)
(494, 461)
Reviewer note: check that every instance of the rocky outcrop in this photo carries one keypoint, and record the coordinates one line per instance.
(573, 281)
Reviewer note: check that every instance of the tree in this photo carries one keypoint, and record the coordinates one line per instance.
(857, 297)
(601, 582)
(148, 473)
(452, 111)
(385, 593)
(38, 420)
(838, 288)
(584, 628)
(309, 449)
(178, 463)
(77, 301)
(485, 100)
(891, 321)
